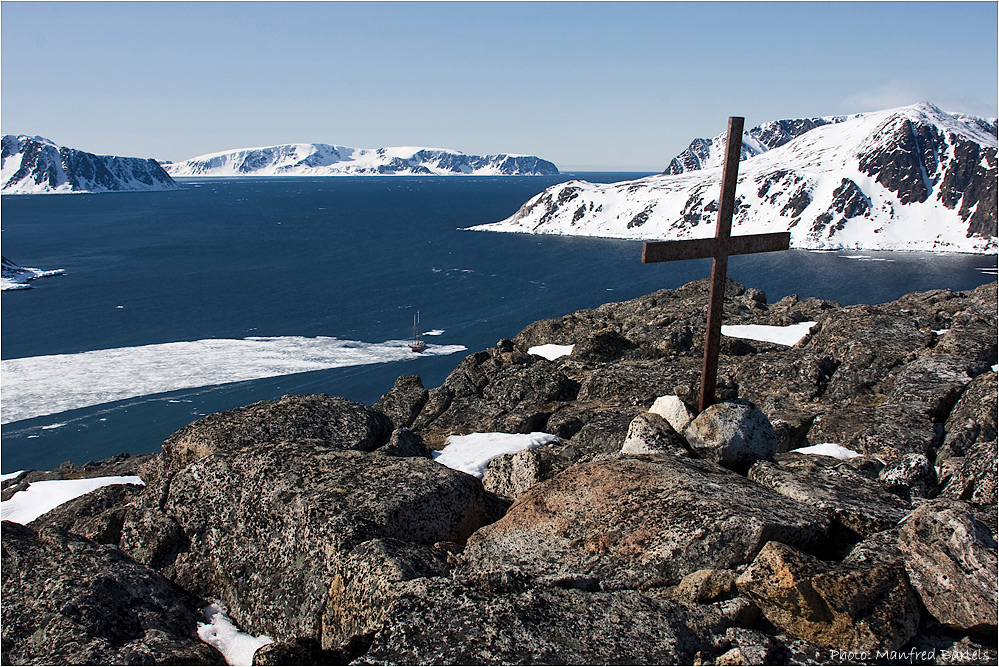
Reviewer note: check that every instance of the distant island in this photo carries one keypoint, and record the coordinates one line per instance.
(911, 178)
(36, 165)
(329, 160)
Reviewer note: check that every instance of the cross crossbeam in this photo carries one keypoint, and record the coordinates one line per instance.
(719, 249)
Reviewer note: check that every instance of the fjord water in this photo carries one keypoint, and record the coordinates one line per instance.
(350, 258)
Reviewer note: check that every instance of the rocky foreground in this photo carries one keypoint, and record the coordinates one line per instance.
(640, 538)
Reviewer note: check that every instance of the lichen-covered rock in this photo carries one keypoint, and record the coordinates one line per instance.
(913, 476)
(732, 433)
(708, 585)
(330, 422)
(98, 515)
(852, 501)
(456, 622)
(787, 372)
(843, 607)
(952, 562)
(510, 474)
(403, 402)
(274, 531)
(973, 418)
(404, 442)
(649, 433)
(69, 601)
(593, 430)
(496, 390)
(974, 479)
(640, 523)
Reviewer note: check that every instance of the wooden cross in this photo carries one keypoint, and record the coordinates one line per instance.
(718, 248)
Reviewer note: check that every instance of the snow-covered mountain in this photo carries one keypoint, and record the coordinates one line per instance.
(35, 165)
(14, 276)
(327, 160)
(912, 178)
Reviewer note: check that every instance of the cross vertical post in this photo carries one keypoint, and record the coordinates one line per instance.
(719, 263)
(718, 248)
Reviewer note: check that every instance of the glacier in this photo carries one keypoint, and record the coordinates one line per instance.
(912, 178)
(332, 160)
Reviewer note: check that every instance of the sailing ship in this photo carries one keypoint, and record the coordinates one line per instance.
(417, 345)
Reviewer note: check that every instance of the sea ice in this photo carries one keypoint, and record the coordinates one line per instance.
(36, 386)
(41, 497)
(471, 453)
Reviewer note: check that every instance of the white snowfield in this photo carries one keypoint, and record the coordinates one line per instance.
(36, 386)
(332, 160)
(829, 449)
(790, 188)
(41, 497)
(789, 335)
(551, 351)
(472, 453)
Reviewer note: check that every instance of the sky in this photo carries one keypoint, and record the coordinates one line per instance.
(615, 86)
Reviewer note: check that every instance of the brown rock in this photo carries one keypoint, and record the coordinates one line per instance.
(640, 523)
(832, 605)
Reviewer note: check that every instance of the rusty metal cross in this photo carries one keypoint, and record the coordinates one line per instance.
(718, 248)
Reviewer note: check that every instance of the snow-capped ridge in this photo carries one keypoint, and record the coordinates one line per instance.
(36, 165)
(303, 159)
(911, 178)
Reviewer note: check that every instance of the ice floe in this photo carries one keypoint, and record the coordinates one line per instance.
(36, 386)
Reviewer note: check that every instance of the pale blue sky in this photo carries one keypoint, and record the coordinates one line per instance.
(592, 85)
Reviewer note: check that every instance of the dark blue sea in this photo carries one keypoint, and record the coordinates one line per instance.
(314, 269)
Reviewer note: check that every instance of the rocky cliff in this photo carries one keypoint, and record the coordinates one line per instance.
(837, 506)
(35, 165)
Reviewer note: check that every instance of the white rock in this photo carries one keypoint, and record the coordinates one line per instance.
(673, 410)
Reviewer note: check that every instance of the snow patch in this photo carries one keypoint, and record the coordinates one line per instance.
(788, 335)
(50, 384)
(221, 633)
(550, 351)
(472, 453)
(829, 449)
(10, 475)
(41, 497)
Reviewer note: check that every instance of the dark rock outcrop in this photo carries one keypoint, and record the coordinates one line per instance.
(297, 540)
(951, 559)
(329, 422)
(67, 600)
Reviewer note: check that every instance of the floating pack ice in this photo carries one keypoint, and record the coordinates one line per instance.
(36, 386)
